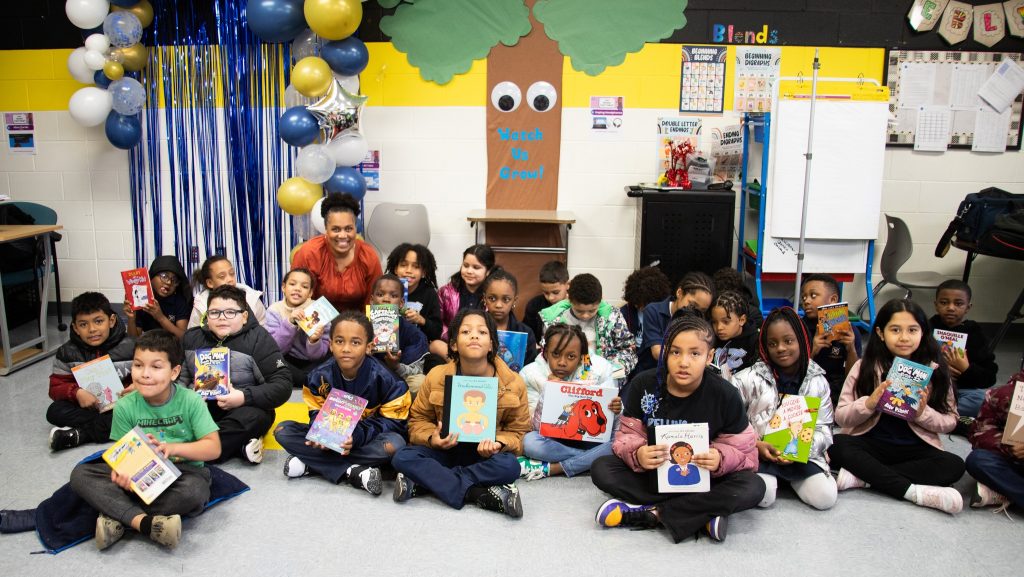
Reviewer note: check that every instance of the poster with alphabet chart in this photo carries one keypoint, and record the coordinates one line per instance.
(702, 82)
(757, 71)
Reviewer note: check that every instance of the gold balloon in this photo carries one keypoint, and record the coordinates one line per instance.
(296, 196)
(333, 19)
(291, 256)
(143, 11)
(312, 76)
(113, 70)
(134, 57)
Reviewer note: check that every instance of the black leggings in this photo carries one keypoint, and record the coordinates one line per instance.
(892, 469)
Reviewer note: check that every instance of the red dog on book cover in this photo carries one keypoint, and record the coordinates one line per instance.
(585, 416)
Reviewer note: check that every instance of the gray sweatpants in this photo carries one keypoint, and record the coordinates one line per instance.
(186, 496)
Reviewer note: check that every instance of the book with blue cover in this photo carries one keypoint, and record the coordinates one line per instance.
(512, 349)
(470, 408)
(337, 419)
(907, 381)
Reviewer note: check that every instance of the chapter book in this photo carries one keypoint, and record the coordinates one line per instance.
(791, 428)
(1013, 434)
(99, 377)
(385, 327)
(138, 290)
(952, 341)
(212, 371)
(834, 319)
(577, 411)
(907, 380)
(678, 474)
(318, 314)
(470, 407)
(136, 458)
(336, 420)
(512, 349)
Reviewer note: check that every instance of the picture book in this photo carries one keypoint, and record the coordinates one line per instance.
(138, 290)
(135, 457)
(834, 319)
(791, 428)
(577, 411)
(907, 381)
(512, 349)
(99, 377)
(318, 314)
(470, 408)
(952, 341)
(212, 371)
(1013, 433)
(678, 474)
(336, 420)
(385, 327)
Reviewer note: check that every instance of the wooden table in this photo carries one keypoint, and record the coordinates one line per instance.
(561, 218)
(34, 349)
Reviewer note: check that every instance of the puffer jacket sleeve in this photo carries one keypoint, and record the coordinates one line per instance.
(63, 386)
(621, 347)
(424, 415)
(817, 386)
(739, 452)
(631, 436)
(277, 381)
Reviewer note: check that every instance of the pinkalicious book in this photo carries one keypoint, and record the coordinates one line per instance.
(576, 411)
(907, 380)
(834, 319)
(99, 377)
(385, 327)
(318, 314)
(791, 428)
(678, 474)
(512, 349)
(1013, 433)
(137, 288)
(470, 408)
(952, 341)
(135, 457)
(336, 420)
(212, 372)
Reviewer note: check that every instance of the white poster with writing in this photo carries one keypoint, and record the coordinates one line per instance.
(757, 72)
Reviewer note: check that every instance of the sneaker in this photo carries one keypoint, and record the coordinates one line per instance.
(717, 527)
(166, 530)
(616, 513)
(294, 467)
(963, 426)
(64, 438)
(503, 499)
(365, 477)
(405, 489)
(254, 451)
(945, 499)
(108, 531)
(847, 480)
(985, 497)
(532, 469)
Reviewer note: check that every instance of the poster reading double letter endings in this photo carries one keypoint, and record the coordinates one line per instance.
(702, 82)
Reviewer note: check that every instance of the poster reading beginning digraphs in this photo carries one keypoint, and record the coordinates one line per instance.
(757, 71)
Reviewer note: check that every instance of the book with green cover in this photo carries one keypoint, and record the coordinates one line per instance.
(791, 428)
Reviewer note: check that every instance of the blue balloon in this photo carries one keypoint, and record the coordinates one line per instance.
(123, 131)
(298, 127)
(347, 57)
(275, 20)
(347, 179)
(100, 79)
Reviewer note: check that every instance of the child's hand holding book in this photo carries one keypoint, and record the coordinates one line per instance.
(488, 448)
(436, 441)
(872, 403)
(710, 460)
(86, 400)
(232, 400)
(651, 457)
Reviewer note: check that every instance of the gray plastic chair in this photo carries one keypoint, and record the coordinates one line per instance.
(897, 251)
(391, 224)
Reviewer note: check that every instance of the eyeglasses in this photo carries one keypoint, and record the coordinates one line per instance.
(167, 277)
(225, 314)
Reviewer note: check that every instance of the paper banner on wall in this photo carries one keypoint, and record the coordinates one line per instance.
(20, 128)
(1014, 12)
(988, 24)
(675, 131)
(606, 116)
(925, 14)
(702, 81)
(727, 152)
(956, 22)
(370, 169)
(757, 71)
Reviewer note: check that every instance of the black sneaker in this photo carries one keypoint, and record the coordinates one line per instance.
(366, 478)
(963, 426)
(618, 513)
(64, 438)
(503, 499)
(405, 489)
(716, 527)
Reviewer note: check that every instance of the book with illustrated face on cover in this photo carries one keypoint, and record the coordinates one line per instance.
(212, 372)
(136, 458)
(576, 411)
(385, 319)
(952, 341)
(791, 428)
(834, 319)
(336, 420)
(907, 381)
(318, 314)
(138, 290)
(678, 474)
(99, 377)
(470, 408)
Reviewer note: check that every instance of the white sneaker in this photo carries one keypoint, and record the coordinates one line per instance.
(254, 451)
(847, 480)
(945, 499)
(108, 531)
(294, 467)
(985, 497)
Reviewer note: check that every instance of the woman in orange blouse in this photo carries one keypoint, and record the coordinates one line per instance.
(345, 267)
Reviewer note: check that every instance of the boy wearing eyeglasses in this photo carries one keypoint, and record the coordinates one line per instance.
(173, 302)
(259, 380)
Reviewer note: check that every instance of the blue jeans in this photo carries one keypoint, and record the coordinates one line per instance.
(574, 461)
(449, 474)
(1002, 474)
(969, 403)
(292, 436)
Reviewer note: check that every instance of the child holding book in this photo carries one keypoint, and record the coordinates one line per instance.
(682, 389)
(835, 356)
(554, 286)
(74, 412)
(736, 338)
(173, 304)
(695, 290)
(642, 287)
(564, 358)
(379, 433)
(407, 362)
(903, 459)
(258, 383)
(217, 271)
(997, 466)
(155, 403)
(785, 368)
(606, 331)
(500, 293)
(459, 473)
(974, 368)
(301, 352)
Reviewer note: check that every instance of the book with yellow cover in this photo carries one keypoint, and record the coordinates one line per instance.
(135, 457)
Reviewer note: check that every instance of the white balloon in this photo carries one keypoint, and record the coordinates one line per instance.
(316, 219)
(314, 164)
(87, 13)
(97, 42)
(90, 106)
(350, 83)
(94, 59)
(348, 150)
(293, 97)
(305, 44)
(77, 67)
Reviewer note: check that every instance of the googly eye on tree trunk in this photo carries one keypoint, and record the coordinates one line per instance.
(506, 96)
(541, 96)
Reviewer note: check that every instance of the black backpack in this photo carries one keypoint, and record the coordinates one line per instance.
(992, 219)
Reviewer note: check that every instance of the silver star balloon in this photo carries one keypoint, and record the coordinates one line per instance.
(338, 112)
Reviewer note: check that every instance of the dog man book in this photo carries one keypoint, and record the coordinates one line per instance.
(336, 420)
(834, 319)
(907, 380)
(512, 349)
(137, 289)
(318, 314)
(678, 474)
(99, 377)
(212, 371)
(791, 428)
(137, 459)
(470, 408)
(577, 412)
(385, 327)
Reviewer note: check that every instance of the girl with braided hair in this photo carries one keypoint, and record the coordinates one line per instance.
(695, 290)
(735, 335)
